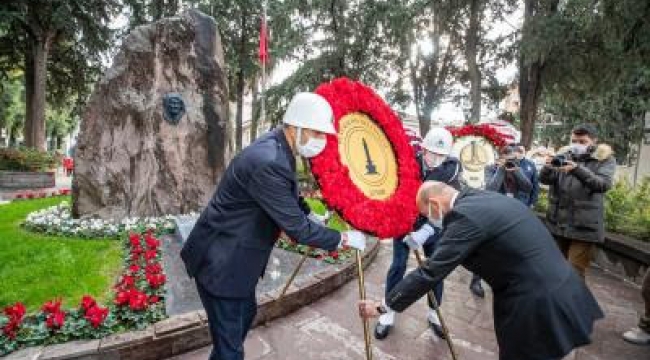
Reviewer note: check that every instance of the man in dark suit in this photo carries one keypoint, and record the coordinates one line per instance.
(257, 198)
(542, 308)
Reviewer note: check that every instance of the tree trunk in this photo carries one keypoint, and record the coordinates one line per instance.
(240, 86)
(29, 98)
(472, 66)
(256, 110)
(531, 71)
(35, 131)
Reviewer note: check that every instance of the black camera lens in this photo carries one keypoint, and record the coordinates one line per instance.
(510, 164)
(559, 160)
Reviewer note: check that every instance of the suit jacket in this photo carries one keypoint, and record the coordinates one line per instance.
(542, 309)
(229, 247)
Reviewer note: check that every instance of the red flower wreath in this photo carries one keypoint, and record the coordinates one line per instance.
(387, 218)
(484, 130)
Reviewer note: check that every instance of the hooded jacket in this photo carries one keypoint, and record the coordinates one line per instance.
(576, 198)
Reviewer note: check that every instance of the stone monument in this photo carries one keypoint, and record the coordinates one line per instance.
(154, 138)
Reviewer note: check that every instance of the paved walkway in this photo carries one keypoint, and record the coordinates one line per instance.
(331, 330)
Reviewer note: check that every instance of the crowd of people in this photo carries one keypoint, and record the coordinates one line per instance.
(543, 308)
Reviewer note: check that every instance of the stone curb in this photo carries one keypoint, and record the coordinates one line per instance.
(186, 332)
(621, 255)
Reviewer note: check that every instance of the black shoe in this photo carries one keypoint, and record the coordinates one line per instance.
(476, 289)
(382, 331)
(437, 329)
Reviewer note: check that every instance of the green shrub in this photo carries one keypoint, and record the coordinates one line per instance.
(627, 209)
(27, 160)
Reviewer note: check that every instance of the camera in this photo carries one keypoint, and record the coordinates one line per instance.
(561, 160)
(510, 164)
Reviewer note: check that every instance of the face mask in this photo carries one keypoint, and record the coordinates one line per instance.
(579, 149)
(312, 147)
(436, 222)
(432, 160)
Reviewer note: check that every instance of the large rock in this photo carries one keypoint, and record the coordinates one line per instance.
(130, 160)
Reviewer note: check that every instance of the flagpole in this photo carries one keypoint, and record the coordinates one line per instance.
(263, 97)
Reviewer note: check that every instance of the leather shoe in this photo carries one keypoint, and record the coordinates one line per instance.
(437, 329)
(476, 289)
(382, 331)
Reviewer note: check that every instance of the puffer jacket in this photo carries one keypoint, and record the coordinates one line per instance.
(576, 199)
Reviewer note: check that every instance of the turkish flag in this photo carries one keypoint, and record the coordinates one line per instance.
(264, 42)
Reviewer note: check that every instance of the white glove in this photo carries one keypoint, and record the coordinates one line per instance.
(319, 219)
(354, 239)
(417, 238)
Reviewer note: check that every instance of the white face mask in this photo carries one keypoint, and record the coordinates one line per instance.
(579, 149)
(436, 222)
(432, 160)
(312, 147)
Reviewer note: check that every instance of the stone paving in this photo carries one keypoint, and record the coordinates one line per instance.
(330, 328)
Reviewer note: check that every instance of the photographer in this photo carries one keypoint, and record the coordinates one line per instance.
(578, 178)
(507, 177)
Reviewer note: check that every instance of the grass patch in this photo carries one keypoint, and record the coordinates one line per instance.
(35, 268)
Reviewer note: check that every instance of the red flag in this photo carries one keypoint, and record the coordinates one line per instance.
(264, 42)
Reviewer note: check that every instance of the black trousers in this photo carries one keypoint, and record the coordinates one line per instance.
(229, 319)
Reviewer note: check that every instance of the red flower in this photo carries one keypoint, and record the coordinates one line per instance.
(52, 306)
(135, 240)
(154, 299)
(128, 281)
(135, 257)
(152, 242)
(153, 268)
(385, 218)
(137, 300)
(19, 196)
(484, 130)
(122, 297)
(30, 195)
(55, 320)
(334, 254)
(134, 269)
(15, 312)
(156, 280)
(96, 315)
(87, 302)
(150, 254)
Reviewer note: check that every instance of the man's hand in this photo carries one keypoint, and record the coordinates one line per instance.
(354, 239)
(500, 162)
(368, 308)
(417, 238)
(512, 169)
(570, 165)
(547, 160)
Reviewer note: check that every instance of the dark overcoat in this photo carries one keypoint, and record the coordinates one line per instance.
(542, 308)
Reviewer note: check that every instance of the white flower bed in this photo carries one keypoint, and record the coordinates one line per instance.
(57, 220)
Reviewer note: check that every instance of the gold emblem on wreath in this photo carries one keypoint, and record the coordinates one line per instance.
(366, 151)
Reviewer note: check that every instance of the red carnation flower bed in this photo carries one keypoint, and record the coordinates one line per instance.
(384, 218)
(138, 301)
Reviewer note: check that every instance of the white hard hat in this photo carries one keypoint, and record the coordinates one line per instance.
(438, 140)
(310, 111)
